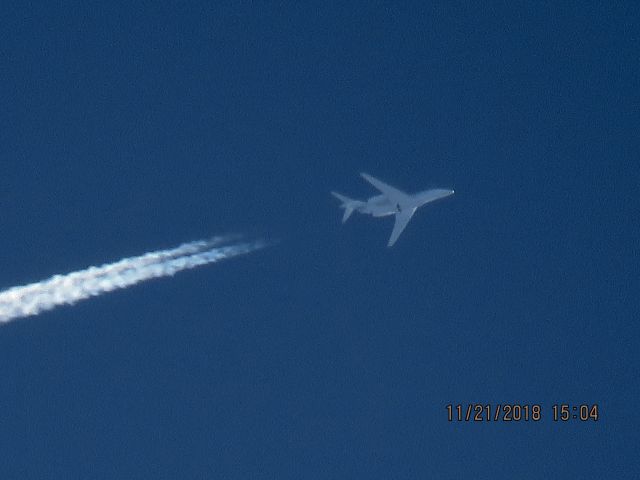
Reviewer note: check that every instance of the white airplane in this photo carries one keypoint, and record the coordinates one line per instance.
(391, 202)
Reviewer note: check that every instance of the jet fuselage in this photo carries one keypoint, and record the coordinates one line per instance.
(382, 206)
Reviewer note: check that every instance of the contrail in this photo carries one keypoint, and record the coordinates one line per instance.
(35, 298)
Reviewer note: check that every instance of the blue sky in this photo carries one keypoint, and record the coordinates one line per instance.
(127, 128)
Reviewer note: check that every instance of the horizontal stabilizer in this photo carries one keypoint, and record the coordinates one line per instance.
(348, 204)
(341, 197)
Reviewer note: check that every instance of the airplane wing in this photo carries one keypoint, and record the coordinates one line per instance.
(402, 219)
(393, 194)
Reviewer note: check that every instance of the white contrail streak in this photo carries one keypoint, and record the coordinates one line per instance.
(58, 290)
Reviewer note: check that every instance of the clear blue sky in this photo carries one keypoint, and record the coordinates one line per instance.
(131, 127)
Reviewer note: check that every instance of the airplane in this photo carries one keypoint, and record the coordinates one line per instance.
(391, 201)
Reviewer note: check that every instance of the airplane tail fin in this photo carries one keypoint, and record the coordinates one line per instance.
(348, 204)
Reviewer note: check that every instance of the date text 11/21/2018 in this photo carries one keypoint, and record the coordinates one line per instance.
(514, 412)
